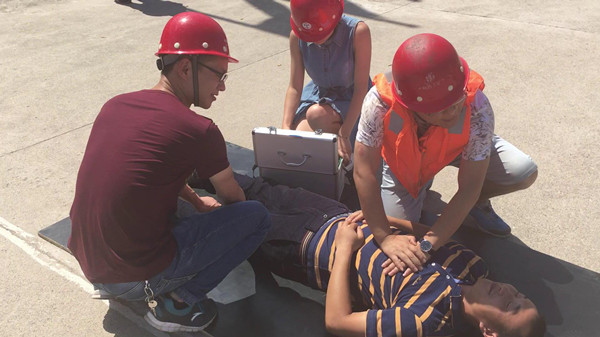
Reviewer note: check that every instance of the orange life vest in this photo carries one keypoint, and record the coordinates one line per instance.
(415, 161)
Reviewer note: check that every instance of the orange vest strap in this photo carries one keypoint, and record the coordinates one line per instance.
(415, 161)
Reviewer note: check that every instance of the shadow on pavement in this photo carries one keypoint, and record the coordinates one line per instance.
(279, 15)
(565, 294)
(158, 7)
(273, 311)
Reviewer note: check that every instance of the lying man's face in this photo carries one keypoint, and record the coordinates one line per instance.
(501, 308)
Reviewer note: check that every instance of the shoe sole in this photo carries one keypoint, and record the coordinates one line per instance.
(173, 327)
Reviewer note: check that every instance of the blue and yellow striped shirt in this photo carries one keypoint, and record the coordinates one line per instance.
(427, 303)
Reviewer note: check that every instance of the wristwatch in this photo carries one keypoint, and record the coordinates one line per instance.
(426, 246)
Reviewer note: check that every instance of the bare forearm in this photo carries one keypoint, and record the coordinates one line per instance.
(471, 175)
(188, 194)
(452, 217)
(294, 90)
(292, 100)
(372, 205)
(353, 113)
(362, 65)
(234, 196)
(338, 293)
(366, 164)
(337, 303)
(228, 190)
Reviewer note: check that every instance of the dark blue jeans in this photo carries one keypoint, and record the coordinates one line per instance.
(209, 246)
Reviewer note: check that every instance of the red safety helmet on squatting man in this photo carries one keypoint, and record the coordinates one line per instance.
(429, 76)
(192, 33)
(313, 20)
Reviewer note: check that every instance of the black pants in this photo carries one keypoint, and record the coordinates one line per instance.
(296, 214)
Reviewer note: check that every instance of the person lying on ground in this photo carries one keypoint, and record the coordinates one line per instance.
(317, 241)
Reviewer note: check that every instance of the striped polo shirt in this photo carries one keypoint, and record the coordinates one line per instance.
(427, 303)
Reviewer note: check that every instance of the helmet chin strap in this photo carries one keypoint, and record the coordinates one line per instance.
(195, 74)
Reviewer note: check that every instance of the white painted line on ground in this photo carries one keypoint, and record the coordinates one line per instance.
(30, 245)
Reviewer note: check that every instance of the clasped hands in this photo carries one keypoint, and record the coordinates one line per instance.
(404, 254)
(403, 251)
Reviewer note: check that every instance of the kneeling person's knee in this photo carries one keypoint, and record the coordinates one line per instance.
(258, 214)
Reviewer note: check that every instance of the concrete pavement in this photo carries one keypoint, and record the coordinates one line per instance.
(60, 60)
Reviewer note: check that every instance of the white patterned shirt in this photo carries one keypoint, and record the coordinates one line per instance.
(370, 128)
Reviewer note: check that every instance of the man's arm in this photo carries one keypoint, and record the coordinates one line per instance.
(228, 190)
(339, 318)
(401, 249)
(471, 176)
(202, 204)
(367, 162)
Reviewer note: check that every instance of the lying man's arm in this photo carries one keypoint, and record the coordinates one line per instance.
(339, 318)
(406, 226)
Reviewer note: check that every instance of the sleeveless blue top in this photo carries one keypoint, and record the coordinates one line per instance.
(331, 69)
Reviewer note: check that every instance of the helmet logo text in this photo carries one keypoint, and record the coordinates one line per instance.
(429, 77)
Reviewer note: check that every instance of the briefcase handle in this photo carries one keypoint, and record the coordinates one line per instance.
(283, 154)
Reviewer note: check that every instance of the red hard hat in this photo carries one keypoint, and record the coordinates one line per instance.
(313, 20)
(429, 76)
(190, 33)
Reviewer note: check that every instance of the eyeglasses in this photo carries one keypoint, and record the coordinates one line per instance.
(222, 76)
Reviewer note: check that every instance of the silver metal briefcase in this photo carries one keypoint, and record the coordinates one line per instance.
(299, 159)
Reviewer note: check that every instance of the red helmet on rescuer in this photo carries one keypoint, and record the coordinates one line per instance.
(313, 20)
(429, 76)
(193, 33)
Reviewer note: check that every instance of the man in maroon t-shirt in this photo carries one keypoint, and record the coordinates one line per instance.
(142, 148)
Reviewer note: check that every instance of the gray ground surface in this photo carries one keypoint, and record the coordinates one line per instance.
(60, 60)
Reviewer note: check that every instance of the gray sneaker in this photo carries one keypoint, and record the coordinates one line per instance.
(488, 221)
(191, 318)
